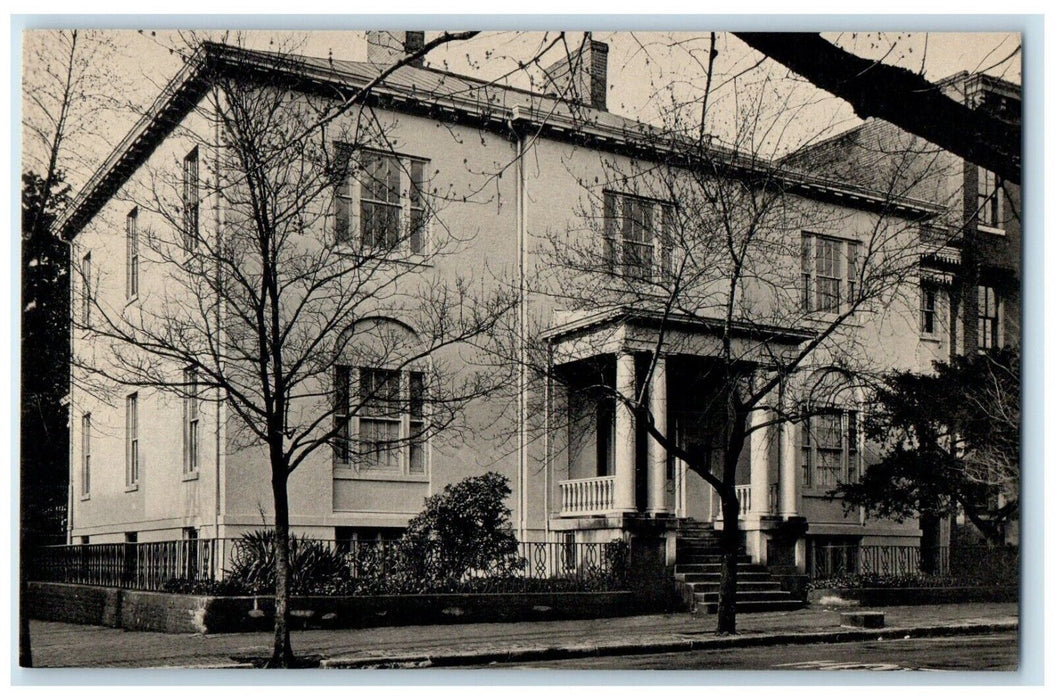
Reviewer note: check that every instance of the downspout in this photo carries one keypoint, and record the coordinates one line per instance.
(217, 220)
(69, 394)
(522, 441)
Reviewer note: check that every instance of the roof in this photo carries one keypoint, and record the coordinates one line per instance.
(441, 93)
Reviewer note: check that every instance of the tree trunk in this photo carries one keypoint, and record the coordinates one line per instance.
(929, 542)
(282, 654)
(730, 542)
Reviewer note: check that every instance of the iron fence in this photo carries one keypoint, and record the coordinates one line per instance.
(982, 564)
(139, 565)
(352, 567)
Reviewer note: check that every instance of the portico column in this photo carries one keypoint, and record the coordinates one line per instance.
(657, 455)
(625, 442)
(788, 491)
(762, 445)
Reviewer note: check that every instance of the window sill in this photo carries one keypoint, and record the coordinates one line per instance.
(341, 472)
(422, 260)
(130, 489)
(991, 230)
(924, 338)
(131, 300)
(829, 317)
(86, 497)
(191, 476)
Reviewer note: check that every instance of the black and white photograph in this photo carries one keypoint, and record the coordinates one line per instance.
(504, 349)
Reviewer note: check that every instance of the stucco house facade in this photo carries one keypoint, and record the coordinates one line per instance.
(508, 172)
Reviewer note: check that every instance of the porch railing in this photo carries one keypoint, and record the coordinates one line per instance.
(594, 496)
(743, 494)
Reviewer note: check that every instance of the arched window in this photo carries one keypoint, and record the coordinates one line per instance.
(379, 399)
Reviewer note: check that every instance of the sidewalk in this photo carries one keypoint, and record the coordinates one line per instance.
(65, 645)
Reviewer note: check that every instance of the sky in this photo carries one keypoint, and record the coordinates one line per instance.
(652, 75)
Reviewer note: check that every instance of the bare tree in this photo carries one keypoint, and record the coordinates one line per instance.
(772, 282)
(263, 306)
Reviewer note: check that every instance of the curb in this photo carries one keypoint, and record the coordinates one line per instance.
(666, 644)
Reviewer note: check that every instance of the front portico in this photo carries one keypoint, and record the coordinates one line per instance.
(608, 475)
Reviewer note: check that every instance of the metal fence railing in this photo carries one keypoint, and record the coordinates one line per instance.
(970, 564)
(358, 566)
(140, 565)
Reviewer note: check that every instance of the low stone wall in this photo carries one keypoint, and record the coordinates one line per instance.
(167, 612)
(116, 607)
(915, 596)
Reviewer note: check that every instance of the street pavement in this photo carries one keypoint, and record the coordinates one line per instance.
(991, 652)
(67, 645)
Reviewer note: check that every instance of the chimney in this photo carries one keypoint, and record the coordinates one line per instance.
(385, 48)
(583, 76)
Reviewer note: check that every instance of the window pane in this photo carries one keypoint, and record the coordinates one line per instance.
(417, 447)
(417, 394)
(380, 392)
(379, 443)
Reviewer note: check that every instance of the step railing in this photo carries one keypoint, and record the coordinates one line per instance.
(594, 496)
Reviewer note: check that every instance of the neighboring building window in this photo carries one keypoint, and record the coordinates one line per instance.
(928, 311)
(191, 418)
(829, 272)
(637, 236)
(988, 318)
(86, 454)
(391, 419)
(191, 201)
(990, 199)
(86, 292)
(830, 450)
(132, 440)
(132, 254)
(381, 204)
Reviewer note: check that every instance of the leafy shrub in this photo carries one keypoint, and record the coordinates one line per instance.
(465, 528)
(315, 568)
(859, 581)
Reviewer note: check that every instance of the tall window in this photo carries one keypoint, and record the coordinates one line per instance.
(86, 454)
(191, 419)
(132, 440)
(637, 235)
(191, 200)
(132, 254)
(379, 420)
(387, 192)
(988, 318)
(86, 291)
(829, 272)
(990, 199)
(928, 312)
(829, 449)
(391, 419)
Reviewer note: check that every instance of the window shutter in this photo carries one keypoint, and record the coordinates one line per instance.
(610, 231)
(666, 242)
(805, 265)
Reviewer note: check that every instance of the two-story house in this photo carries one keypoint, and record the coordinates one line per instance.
(509, 173)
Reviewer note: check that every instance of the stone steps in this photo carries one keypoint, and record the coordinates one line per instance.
(698, 569)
